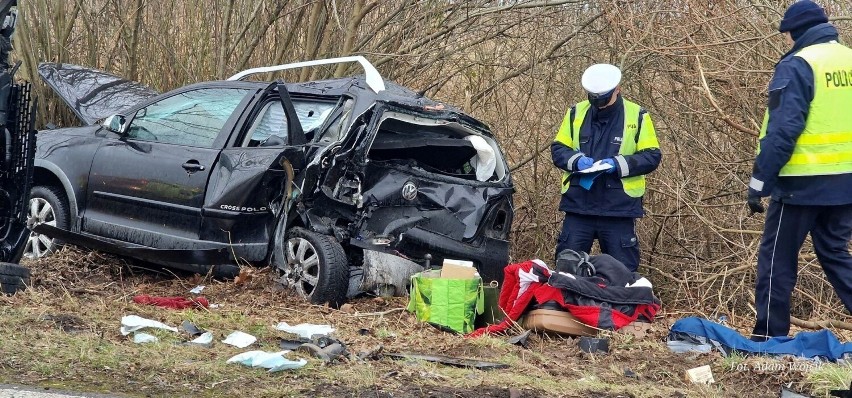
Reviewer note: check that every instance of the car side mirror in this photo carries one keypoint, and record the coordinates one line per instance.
(115, 123)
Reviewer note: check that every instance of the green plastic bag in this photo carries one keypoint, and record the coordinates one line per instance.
(449, 304)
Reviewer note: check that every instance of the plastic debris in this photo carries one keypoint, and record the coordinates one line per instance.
(274, 361)
(197, 289)
(319, 346)
(132, 323)
(142, 338)
(290, 345)
(373, 354)
(451, 361)
(521, 339)
(682, 347)
(191, 329)
(785, 393)
(593, 345)
(681, 343)
(327, 353)
(239, 339)
(206, 340)
(305, 330)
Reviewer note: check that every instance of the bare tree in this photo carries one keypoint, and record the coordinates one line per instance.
(700, 67)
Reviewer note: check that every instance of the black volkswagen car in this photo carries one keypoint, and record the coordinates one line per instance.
(347, 185)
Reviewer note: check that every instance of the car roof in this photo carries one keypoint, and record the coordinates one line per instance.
(102, 94)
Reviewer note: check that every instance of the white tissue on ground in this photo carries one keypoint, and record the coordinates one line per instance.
(132, 323)
(141, 338)
(205, 339)
(240, 339)
(274, 361)
(305, 330)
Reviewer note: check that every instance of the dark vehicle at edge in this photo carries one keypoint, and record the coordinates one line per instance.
(17, 149)
(346, 185)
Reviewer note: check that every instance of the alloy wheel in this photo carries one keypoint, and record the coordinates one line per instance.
(41, 212)
(302, 271)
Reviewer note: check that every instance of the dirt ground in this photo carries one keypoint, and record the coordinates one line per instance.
(64, 333)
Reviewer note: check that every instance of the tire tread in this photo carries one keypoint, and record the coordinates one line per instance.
(333, 284)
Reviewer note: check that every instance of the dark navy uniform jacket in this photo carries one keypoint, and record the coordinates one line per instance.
(600, 138)
(790, 93)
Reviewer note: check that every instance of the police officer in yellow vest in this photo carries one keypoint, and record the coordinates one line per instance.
(605, 147)
(805, 164)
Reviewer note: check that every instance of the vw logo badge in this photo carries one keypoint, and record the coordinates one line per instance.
(409, 191)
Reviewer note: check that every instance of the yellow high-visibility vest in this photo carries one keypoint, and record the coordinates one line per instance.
(825, 145)
(639, 134)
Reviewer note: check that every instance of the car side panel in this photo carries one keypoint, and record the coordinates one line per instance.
(67, 155)
(139, 191)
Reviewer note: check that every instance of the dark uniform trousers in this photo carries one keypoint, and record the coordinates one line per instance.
(615, 235)
(777, 265)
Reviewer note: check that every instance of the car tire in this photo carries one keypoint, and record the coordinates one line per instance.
(47, 205)
(316, 266)
(13, 278)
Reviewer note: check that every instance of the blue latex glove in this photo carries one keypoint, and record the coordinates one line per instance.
(610, 162)
(584, 163)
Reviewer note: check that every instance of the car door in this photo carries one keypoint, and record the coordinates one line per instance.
(264, 157)
(147, 186)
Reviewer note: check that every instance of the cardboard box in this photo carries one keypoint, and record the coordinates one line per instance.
(700, 375)
(543, 320)
(458, 269)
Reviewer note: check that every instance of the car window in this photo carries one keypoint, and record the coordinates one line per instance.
(337, 127)
(192, 118)
(269, 128)
(312, 114)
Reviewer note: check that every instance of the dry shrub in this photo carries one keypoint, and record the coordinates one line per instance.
(71, 268)
(699, 67)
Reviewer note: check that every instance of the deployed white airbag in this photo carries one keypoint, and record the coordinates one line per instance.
(485, 160)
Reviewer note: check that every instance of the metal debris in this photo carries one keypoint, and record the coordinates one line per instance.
(445, 360)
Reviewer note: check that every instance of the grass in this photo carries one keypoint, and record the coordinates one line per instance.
(733, 361)
(63, 333)
(829, 377)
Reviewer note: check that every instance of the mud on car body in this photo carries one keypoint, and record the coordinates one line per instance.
(346, 185)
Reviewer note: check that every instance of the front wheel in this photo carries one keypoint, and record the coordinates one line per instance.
(48, 205)
(316, 266)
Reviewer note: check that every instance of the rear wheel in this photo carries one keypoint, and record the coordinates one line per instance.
(316, 266)
(48, 205)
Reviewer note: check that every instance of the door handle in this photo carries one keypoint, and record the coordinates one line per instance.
(193, 166)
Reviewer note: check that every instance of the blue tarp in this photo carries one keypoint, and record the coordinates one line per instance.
(821, 343)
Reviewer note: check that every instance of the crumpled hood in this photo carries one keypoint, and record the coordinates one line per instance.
(93, 94)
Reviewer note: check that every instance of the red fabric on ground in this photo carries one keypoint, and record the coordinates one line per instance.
(177, 303)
